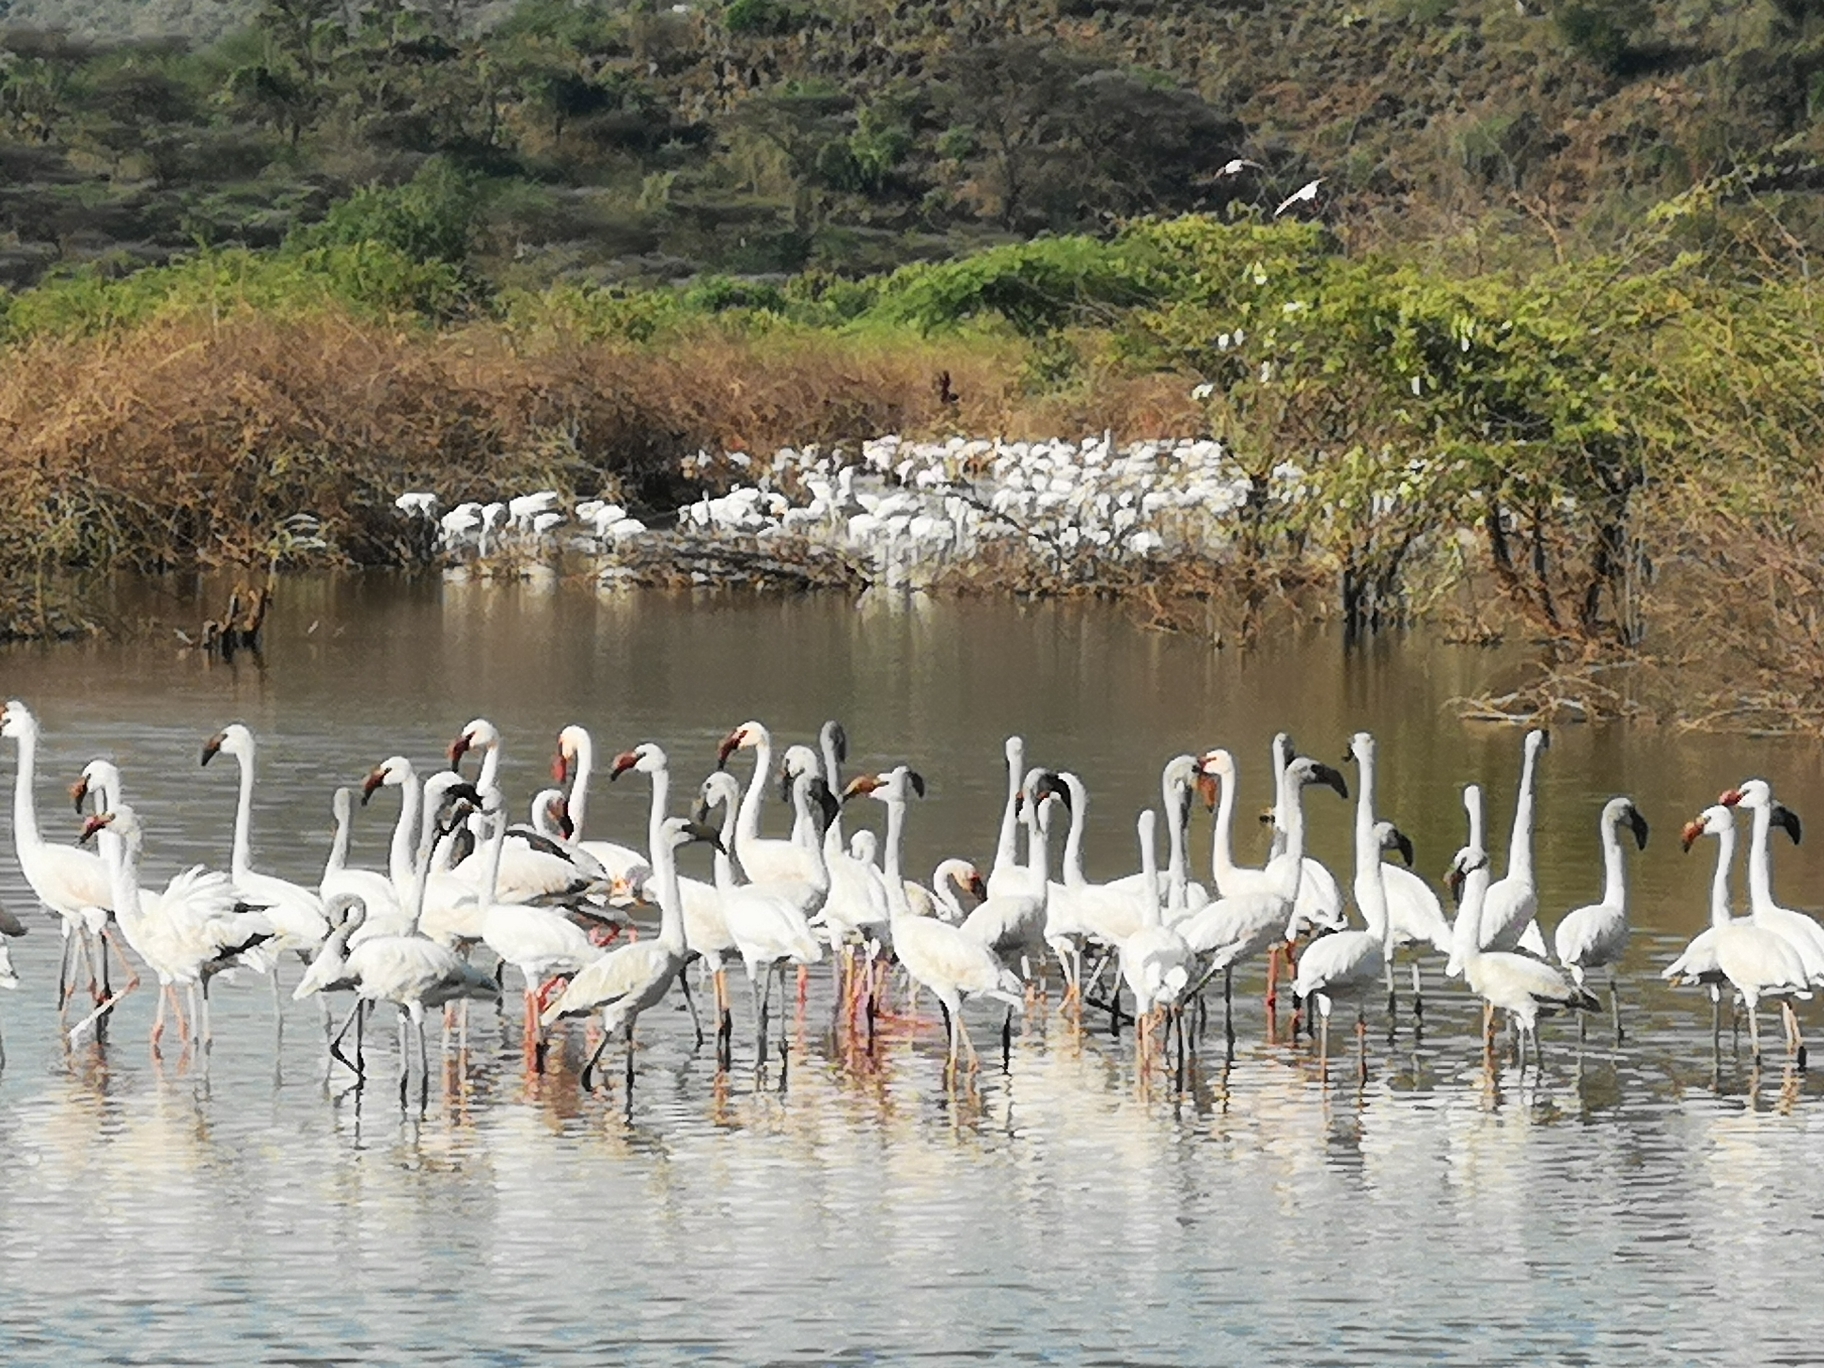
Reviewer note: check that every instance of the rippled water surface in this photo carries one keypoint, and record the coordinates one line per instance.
(1635, 1205)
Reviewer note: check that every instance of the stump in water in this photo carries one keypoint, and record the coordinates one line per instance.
(239, 627)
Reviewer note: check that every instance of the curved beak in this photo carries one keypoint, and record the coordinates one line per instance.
(559, 812)
(1323, 774)
(623, 762)
(560, 767)
(79, 792)
(1688, 837)
(977, 888)
(1349, 754)
(1787, 820)
(1403, 843)
(1639, 824)
(730, 744)
(1453, 880)
(861, 784)
(212, 745)
(459, 748)
(1052, 783)
(1208, 790)
(374, 780)
(1729, 797)
(95, 824)
(698, 831)
(917, 780)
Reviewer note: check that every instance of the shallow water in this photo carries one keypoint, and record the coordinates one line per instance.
(252, 1208)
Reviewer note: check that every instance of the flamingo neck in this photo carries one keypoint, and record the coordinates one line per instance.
(497, 842)
(898, 906)
(655, 818)
(1006, 850)
(1719, 881)
(240, 860)
(399, 862)
(1222, 847)
(1073, 843)
(338, 843)
(584, 746)
(671, 900)
(1614, 867)
(725, 866)
(1149, 882)
(748, 827)
(25, 810)
(1520, 843)
(1282, 756)
(122, 856)
(1466, 930)
(832, 775)
(1171, 789)
(1370, 877)
(1760, 858)
(801, 807)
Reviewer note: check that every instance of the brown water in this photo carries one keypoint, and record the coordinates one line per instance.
(253, 1209)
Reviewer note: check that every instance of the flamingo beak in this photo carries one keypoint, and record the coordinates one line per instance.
(1688, 837)
(1729, 797)
(373, 781)
(623, 762)
(1208, 790)
(861, 784)
(977, 888)
(212, 745)
(730, 744)
(560, 767)
(95, 824)
(459, 748)
(559, 811)
(79, 791)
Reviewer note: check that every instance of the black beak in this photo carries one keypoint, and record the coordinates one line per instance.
(1453, 880)
(917, 780)
(210, 747)
(785, 784)
(1786, 819)
(825, 800)
(1639, 823)
(1323, 774)
(1053, 783)
(698, 831)
(1402, 843)
(700, 813)
(839, 743)
(1349, 754)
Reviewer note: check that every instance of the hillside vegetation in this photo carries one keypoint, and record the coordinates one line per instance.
(640, 141)
(1544, 346)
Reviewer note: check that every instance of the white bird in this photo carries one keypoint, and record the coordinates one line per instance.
(1305, 194)
(1155, 961)
(1013, 924)
(1797, 929)
(1507, 917)
(1182, 895)
(951, 878)
(1523, 987)
(1349, 965)
(706, 934)
(764, 860)
(574, 764)
(72, 883)
(543, 945)
(630, 978)
(371, 886)
(199, 930)
(448, 909)
(1232, 930)
(769, 929)
(1755, 961)
(531, 869)
(938, 956)
(1236, 165)
(1415, 916)
(1594, 937)
(296, 912)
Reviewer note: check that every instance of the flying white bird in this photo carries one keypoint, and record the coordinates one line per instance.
(1305, 194)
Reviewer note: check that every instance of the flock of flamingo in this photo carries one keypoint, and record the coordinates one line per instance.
(468, 894)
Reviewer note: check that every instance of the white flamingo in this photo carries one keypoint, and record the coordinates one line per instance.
(1524, 987)
(1155, 961)
(1800, 931)
(1595, 936)
(630, 978)
(1755, 961)
(936, 955)
(1508, 920)
(626, 867)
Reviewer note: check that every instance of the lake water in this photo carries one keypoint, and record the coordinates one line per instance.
(1640, 1203)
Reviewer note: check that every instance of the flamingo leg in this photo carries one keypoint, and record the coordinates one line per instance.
(1418, 1000)
(696, 1022)
(1754, 1032)
(1615, 1006)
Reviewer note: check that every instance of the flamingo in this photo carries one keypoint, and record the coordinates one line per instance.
(1594, 937)
(938, 956)
(763, 860)
(1756, 962)
(1155, 960)
(630, 978)
(1507, 917)
(626, 867)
